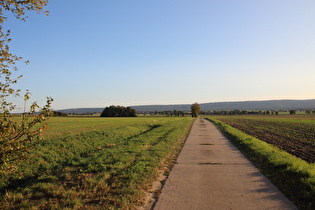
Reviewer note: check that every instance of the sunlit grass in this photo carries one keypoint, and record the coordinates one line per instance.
(94, 162)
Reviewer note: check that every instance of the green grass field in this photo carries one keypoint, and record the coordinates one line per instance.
(292, 175)
(94, 163)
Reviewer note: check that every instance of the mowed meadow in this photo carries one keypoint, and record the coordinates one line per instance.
(281, 146)
(93, 163)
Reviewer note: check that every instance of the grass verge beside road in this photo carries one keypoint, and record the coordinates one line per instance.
(293, 176)
(94, 163)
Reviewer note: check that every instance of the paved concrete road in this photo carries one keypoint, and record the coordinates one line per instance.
(211, 173)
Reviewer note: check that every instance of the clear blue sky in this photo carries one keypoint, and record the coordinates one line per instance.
(138, 52)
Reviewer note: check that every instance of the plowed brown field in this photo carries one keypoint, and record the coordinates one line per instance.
(296, 135)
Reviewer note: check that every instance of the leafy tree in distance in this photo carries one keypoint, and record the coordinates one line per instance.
(292, 112)
(118, 111)
(17, 134)
(59, 114)
(195, 110)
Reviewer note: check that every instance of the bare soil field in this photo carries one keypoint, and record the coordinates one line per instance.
(294, 134)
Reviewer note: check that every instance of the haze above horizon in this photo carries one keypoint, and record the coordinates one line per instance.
(167, 52)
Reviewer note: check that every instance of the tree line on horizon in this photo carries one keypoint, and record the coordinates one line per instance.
(121, 111)
(175, 112)
(195, 110)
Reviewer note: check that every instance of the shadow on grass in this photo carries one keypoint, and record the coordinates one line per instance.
(71, 174)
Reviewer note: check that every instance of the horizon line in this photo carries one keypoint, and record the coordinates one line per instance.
(194, 102)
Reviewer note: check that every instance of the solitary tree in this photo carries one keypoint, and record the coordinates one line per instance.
(195, 110)
(19, 134)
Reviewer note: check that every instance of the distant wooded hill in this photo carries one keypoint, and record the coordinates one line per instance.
(276, 105)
